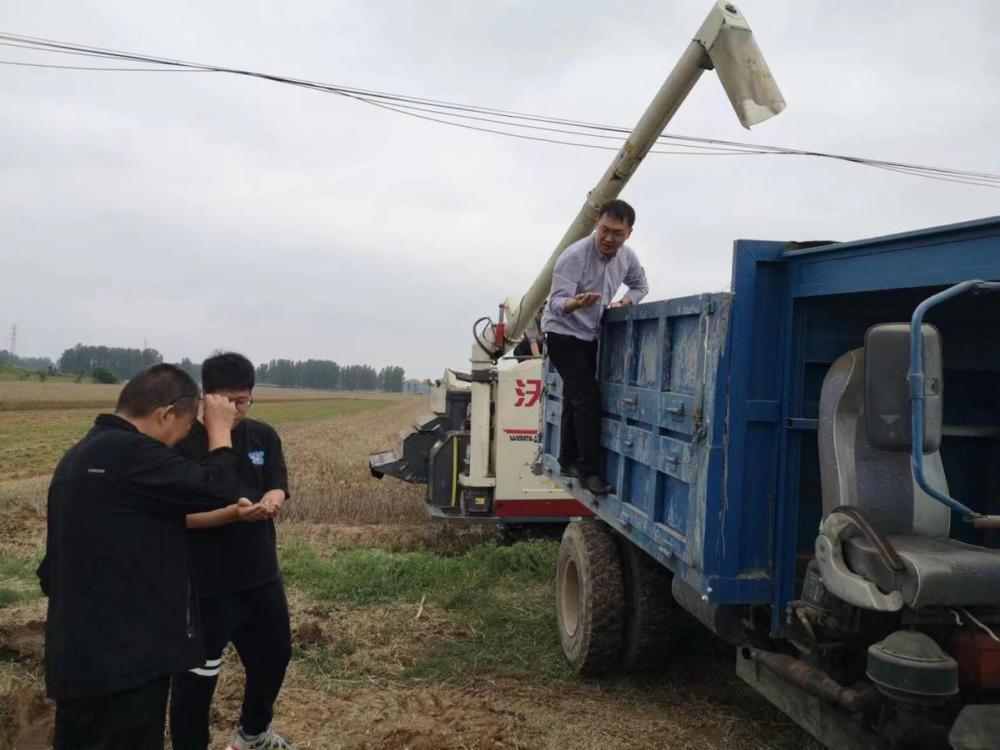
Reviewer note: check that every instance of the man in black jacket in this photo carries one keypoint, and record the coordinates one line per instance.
(236, 568)
(121, 614)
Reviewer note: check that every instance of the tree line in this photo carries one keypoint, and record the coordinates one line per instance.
(325, 374)
(28, 363)
(320, 374)
(122, 362)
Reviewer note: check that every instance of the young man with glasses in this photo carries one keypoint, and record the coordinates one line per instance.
(236, 566)
(121, 613)
(586, 278)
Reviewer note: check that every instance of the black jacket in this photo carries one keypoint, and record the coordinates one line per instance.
(239, 556)
(116, 562)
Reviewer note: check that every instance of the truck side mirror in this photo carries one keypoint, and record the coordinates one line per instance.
(888, 424)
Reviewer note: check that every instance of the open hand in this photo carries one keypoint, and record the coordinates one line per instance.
(273, 501)
(584, 299)
(248, 511)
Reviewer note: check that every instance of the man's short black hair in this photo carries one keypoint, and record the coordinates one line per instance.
(620, 210)
(227, 372)
(156, 386)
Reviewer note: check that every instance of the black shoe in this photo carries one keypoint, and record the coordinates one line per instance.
(570, 470)
(598, 485)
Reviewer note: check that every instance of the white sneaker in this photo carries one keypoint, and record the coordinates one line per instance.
(266, 740)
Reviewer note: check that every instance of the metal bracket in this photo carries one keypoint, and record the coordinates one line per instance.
(838, 578)
(477, 376)
(916, 378)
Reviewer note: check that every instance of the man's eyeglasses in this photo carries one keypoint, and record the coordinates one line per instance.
(617, 234)
(242, 404)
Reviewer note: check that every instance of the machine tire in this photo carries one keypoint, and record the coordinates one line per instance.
(590, 601)
(651, 614)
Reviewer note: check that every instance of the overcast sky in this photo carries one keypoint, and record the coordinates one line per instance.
(203, 211)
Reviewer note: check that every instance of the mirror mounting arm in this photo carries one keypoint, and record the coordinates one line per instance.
(917, 384)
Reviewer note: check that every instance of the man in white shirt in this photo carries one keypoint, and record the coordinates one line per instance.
(584, 282)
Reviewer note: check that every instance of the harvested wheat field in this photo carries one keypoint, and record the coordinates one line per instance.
(407, 633)
(22, 395)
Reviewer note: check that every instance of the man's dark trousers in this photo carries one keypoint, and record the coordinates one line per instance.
(256, 621)
(580, 434)
(130, 720)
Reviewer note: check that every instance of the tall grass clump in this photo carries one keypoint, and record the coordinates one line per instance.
(500, 596)
(18, 580)
(373, 576)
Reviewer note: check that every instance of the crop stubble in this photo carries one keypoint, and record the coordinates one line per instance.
(347, 685)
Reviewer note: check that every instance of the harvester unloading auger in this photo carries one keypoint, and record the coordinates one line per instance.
(476, 449)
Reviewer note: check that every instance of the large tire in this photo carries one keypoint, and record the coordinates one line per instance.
(651, 613)
(590, 603)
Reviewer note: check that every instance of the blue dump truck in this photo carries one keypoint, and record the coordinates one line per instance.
(809, 466)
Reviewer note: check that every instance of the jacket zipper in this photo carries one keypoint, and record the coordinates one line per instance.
(190, 626)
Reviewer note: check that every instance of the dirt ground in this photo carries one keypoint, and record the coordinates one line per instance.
(697, 702)
(369, 700)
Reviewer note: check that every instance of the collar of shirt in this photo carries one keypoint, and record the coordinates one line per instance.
(198, 430)
(597, 251)
(115, 422)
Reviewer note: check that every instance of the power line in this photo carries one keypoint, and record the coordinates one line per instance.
(410, 109)
(968, 178)
(461, 115)
(410, 112)
(83, 67)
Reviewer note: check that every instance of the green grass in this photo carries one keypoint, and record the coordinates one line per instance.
(31, 443)
(329, 660)
(7, 372)
(18, 580)
(501, 596)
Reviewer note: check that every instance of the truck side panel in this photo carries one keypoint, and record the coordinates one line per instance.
(652, 369)
(752, 361)
(664, 374)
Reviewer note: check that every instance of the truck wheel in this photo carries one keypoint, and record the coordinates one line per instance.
(589, 597)
(650, 610)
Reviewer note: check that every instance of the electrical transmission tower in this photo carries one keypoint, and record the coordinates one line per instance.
(13, 340)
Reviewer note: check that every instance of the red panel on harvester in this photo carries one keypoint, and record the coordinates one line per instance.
(539, 509)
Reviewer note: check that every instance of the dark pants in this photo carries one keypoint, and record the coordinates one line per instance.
(130, 720)
(256, 621)
(580, 435)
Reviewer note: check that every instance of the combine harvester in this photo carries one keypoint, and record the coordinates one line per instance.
(785, 456)
(477, 450)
